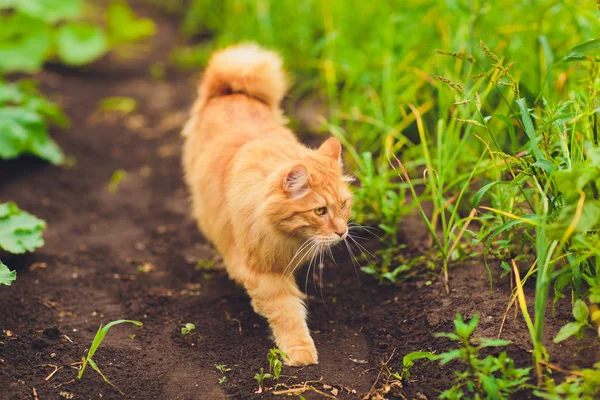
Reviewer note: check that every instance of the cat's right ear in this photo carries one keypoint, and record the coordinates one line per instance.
(295, 182)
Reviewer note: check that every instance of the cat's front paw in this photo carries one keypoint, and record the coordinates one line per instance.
(299, 356)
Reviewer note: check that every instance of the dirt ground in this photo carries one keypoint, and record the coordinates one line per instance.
(132, 254)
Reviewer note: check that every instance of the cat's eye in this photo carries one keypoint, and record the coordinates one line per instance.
(344, 203)
(321, 211)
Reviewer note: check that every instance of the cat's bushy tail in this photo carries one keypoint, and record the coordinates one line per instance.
(244, 68)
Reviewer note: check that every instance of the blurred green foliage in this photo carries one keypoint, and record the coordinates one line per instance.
(34, 31)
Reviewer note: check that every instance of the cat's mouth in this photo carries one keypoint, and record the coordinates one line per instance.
(334, 238)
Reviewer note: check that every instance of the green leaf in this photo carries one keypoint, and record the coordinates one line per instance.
(450, 355)
(529, 129)
(580, 311)
(451, 336)
(579, 52)
(23, 131)
(6, 275)
(567, 331)
(481, 192)
(494, 343)
(409, 359)
(490, 386)
(49, 10)
(24, 43)
(80, 44)
(188, 328)
(124, 27)
(19, 230)
(545, 165)
(465, 330)
(509, 225)
(102, 331)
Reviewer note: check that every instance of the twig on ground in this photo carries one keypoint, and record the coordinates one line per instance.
(230, 318)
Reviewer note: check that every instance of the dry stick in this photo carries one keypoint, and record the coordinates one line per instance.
(461, 233)
(64, 383)
(510, 304)
(303, 387)
(56, 369)
(35, 396)
(564, 371)
(383, 365)
(229, 318)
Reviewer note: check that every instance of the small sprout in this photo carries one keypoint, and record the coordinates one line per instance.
(275, 363)
(205, 264)
(260, 378)
(188, 328)
(132, 337)
(121, 105)
(145, 268)
(222, 368)
(116, 178)
(102, 331)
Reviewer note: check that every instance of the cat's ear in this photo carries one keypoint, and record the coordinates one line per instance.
(331, 148)
(295, 182)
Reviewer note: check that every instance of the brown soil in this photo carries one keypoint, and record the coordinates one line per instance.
(87, 273)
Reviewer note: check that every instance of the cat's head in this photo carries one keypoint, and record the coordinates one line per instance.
(314, 197)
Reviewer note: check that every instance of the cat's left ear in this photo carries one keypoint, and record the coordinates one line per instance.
(331, 148)
(295, 182)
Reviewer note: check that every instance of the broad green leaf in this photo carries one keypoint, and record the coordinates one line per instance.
(6, 275)
(19, 231)
(23, 131)
(24, 43)
(595, 294)
(589, 219)
(594, 155)
(49, 10)
(529, 129)
(545, 165)
(80, 43)
(579, 52)
(567, 331)
(580, 311)
(124, 27)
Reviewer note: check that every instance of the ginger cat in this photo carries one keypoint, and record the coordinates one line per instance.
(266, 202)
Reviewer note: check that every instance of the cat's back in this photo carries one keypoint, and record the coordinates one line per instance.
(229, 123)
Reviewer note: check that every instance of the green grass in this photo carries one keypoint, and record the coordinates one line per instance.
(100, 334)
(492, 377)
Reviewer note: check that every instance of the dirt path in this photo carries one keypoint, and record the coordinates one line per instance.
(88, 273)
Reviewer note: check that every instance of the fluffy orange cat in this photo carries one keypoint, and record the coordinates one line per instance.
(266, 202)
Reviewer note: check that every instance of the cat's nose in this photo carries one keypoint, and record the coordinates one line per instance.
(341, 233)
